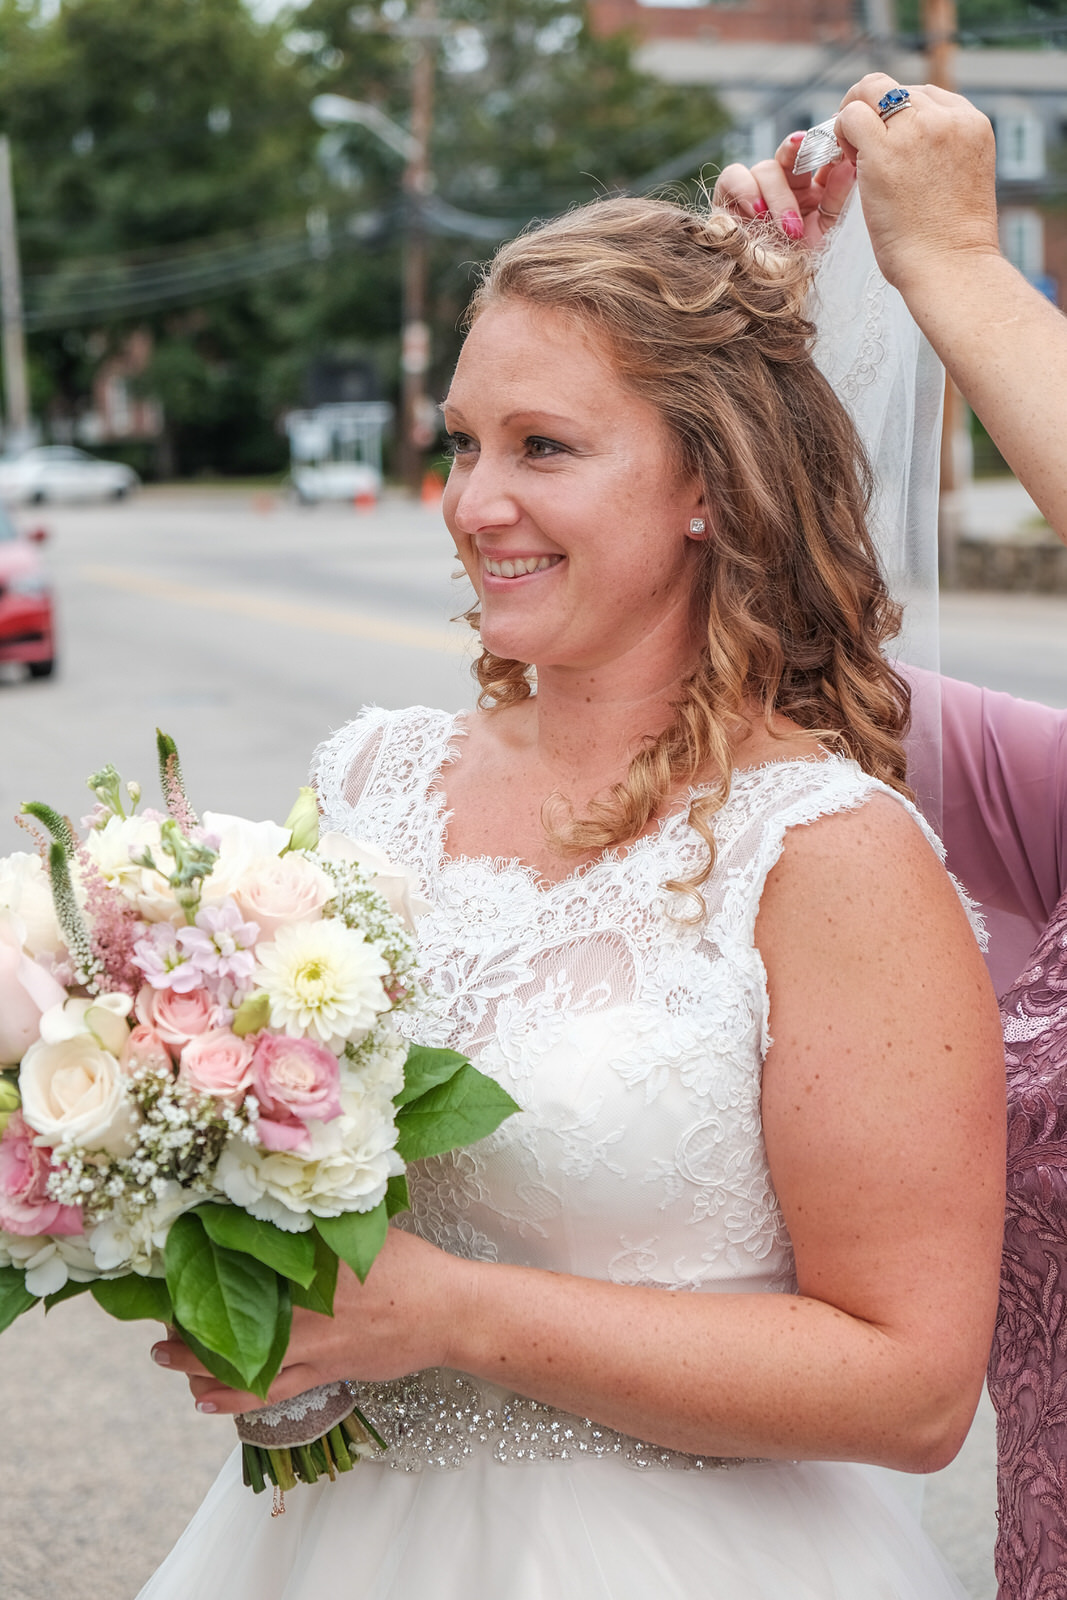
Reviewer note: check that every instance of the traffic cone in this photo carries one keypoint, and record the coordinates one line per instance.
(432, 489)
(365, 500)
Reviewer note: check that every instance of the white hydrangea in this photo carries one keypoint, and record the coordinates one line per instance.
(347, 1168)
(49, 1262)
(131, 1238)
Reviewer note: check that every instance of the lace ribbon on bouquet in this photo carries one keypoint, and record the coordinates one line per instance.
(317, 1433)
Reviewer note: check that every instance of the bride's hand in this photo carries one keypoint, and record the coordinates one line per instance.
(395, 1323)
(804, 206)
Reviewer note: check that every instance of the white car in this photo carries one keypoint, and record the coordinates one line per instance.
(334, 480)
(61, 472)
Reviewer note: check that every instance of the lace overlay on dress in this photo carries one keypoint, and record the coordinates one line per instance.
(632, 1039)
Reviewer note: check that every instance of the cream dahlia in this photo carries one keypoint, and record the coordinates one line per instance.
(324, 980)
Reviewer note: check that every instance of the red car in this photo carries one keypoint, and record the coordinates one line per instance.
(26, 623)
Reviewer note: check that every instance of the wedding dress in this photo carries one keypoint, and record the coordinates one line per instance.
(633, 1040)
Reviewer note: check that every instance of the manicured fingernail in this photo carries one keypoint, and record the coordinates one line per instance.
(161, 1355)
(759, 208)
(795, 138)
(207, 1406)
(792, 226)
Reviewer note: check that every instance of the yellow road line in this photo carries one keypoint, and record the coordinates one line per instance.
(319, 619)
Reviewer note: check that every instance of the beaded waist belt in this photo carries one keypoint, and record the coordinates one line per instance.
(442, 1419)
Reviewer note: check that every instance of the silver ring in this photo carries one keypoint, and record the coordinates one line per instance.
(831, 216)
(892, 101)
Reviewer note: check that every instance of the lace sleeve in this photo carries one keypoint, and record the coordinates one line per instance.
(344, 765)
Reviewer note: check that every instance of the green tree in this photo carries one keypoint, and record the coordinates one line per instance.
(149, 133)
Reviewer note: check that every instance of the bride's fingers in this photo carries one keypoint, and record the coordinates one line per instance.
(213, 1397)
(174, 1354)
(738, 190)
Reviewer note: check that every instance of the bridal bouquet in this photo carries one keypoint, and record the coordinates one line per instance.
(205, 1096)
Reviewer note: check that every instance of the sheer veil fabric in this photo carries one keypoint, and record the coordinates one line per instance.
(881, 367)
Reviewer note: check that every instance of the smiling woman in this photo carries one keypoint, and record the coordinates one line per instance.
(744, 1235)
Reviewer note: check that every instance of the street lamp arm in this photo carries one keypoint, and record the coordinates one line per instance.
(336, 110)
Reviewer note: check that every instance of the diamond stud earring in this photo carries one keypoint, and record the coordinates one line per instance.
(696, 526)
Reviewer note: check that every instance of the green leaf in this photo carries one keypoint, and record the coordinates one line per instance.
(396, 1195)
(456, 1113)
(279, 1344)
(212, 1360)
(15, 1298)
(68, 1291)
(425, 1068)
(226, 1299)
(319, 1297)
(291, 1254)
(132, 1298)
(357, 1237)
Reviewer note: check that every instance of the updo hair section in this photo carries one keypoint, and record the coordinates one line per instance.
(705, 318)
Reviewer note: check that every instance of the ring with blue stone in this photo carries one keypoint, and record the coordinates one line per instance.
(892, 101)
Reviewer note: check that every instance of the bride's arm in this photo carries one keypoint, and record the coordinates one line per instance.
(883, 1108)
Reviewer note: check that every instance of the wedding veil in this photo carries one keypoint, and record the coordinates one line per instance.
(886, 374)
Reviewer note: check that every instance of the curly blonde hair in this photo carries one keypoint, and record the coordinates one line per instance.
(704, 317)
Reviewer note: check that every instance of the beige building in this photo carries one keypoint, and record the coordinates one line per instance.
(779, 66)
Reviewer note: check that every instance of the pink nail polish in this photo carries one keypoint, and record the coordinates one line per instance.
(759, 208)
(161, 1355)
(792, 226)
(795, 138)
(206, 1406)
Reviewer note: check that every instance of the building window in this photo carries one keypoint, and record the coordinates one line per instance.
(1022, 239)
(1020, 146)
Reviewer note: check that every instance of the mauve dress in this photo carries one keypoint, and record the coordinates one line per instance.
(1005, 827)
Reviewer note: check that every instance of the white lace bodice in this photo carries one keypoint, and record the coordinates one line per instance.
(632, 1038)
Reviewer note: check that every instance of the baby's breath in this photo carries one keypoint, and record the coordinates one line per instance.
(361, 907)
(180, 1137)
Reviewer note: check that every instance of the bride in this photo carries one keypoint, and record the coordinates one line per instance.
(744, 1235)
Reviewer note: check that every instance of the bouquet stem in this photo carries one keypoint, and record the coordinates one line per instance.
(284, 1466)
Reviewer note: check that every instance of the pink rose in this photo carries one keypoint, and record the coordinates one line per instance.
(296, 1081)
(25, 1205)
(217, 1063)
(26, 990)
(144, 1048)
(277, 890)
(176, 1018)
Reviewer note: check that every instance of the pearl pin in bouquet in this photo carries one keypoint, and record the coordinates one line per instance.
(206, 1097)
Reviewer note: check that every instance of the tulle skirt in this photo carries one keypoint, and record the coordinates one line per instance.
(585, 1529)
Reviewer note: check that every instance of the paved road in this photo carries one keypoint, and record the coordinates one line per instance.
(248, 630)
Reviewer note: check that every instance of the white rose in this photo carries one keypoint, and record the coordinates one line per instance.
(111, 848)
(75, 1092)
(25, 890)
(48, 1262)
(398, 886)
(275, 890)
(350, 1161)
(133, 1239)
(240, 843)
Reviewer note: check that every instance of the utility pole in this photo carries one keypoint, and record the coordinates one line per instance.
(939, 29)
(880, 25)
(416, 427)
(16, 396)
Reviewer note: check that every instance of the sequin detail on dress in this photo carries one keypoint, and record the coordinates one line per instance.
(1028, 1367)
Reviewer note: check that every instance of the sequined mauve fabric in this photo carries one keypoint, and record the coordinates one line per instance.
(1028, 1368)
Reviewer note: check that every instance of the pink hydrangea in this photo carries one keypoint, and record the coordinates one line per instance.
(25, 1205)
(296, 1081)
